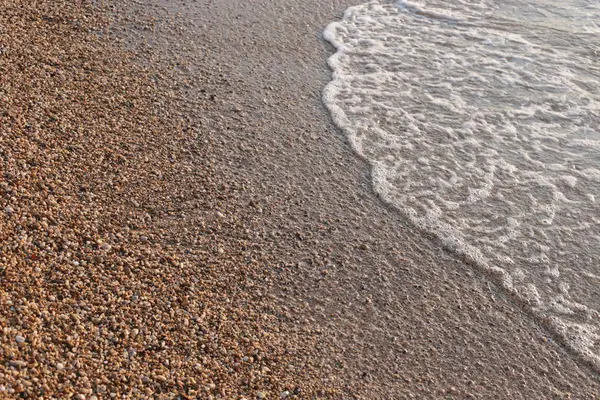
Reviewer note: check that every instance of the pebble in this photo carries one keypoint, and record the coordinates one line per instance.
(9, 210)
(261, 395)
(285, 394)
(18, 363)
(20, 339)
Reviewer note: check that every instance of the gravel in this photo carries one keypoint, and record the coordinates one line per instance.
(108, 287)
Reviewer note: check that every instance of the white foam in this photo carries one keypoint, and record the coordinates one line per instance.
(485, 137)
(417, 9)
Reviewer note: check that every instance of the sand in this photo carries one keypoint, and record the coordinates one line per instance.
(181, 218)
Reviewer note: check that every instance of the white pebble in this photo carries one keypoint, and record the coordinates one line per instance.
(20, 339)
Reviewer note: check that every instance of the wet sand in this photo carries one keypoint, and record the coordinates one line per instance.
(249, 217)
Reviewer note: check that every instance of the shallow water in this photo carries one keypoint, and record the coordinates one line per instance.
(481, 122)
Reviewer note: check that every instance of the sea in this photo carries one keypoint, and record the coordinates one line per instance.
(481, 122)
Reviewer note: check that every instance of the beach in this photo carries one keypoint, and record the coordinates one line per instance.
(181, 217)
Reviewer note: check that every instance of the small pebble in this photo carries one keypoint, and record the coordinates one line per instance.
(20, 339)
(18, 363)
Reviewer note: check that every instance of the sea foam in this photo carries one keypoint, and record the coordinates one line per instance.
(481, 124)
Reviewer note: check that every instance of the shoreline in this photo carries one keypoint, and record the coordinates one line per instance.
(249, 217)
(326, 280)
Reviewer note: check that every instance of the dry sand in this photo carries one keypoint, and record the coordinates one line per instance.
(183, 219)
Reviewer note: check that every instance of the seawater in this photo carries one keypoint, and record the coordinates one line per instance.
(481, 121)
